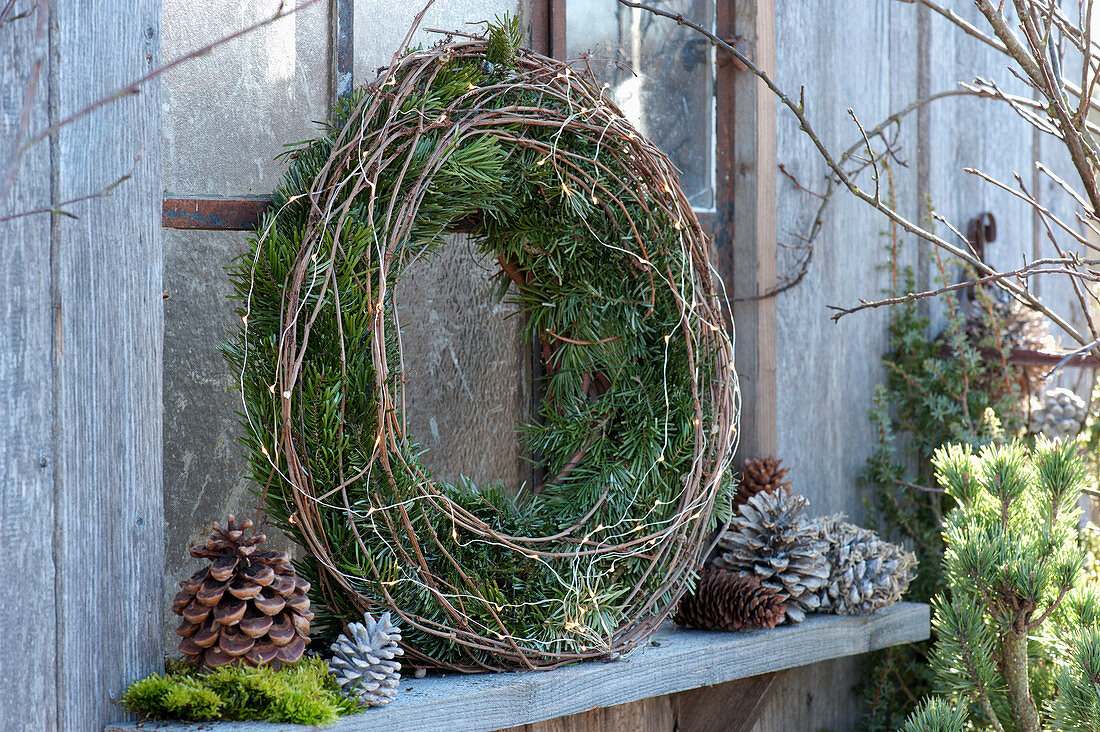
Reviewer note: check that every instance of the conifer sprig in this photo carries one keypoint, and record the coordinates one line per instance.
(1012, 565)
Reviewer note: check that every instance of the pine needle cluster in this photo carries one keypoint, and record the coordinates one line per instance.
(1013, 566)
(301, 693)
(592, 252)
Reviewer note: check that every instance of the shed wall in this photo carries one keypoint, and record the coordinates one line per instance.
(80, 364)
(875, 56)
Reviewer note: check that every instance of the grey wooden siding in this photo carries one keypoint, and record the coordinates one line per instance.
(80, 374)
(875, 56)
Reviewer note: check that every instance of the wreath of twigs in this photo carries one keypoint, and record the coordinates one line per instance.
(600, 250)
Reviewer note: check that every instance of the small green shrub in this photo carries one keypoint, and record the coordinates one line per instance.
(302, 693)
(1017, 644)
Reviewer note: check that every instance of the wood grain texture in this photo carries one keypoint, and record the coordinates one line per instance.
(813, 698)
(747, 216)
(648, 715)
(864, 56)
(27, 628)
(682, 660)
(731, 707)
(107, 269)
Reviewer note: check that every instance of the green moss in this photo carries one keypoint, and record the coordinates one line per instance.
(303, 693)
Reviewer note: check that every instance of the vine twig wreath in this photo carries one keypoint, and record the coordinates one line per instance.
(599, 248)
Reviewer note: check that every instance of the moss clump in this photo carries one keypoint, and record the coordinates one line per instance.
(302, 693)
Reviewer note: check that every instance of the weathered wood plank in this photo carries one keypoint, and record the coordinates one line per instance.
(746, 249)
(681, 660)
(27, 627)
(730, 707)
(646, 715)
(107, 266)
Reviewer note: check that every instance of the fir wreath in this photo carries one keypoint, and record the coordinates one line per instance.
(601, 251)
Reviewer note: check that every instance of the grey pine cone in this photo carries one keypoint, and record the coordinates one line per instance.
(364, 664)
(867, 572)
(1057, 413)
(995, 321)
(772, 538)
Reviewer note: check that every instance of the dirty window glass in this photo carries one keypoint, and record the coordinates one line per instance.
(661, 76)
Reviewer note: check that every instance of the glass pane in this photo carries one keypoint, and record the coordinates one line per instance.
(660, 74)
(228, 114)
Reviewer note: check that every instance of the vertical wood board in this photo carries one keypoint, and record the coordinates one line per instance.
(27, 624)
(745, 251)
(975, 133)
(861, 56)
(107, 268)
(826, 369)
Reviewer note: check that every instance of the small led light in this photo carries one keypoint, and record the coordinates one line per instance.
(271, 388)
(263, 449)
(660, 458)
(542, 162)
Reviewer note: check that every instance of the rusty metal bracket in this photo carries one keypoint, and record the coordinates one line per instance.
(217, 214)
(725, 58)
(981, 231)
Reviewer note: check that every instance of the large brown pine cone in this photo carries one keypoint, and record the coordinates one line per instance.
(760, 475)
(246, 607)
(725, 600)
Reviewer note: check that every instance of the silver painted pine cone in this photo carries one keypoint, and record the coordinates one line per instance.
(772, 538)
(1058, 413)
(364, 664)
(867, 572)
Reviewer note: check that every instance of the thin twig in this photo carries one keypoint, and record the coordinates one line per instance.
(1028, 270)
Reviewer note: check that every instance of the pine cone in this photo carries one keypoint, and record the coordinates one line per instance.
(725, 600)
(995, 322)
(246, 607)
(1058, 414)
(867, 572)
(772, 538)
(364, 664)
(760, 475)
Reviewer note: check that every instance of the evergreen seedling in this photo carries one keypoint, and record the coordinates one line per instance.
(1012, 561)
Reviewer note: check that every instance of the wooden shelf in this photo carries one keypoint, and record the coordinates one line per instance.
(674, 660)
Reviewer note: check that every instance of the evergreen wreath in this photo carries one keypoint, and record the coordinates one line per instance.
(601, 252)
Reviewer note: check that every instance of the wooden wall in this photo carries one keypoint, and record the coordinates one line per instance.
(80, 368)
